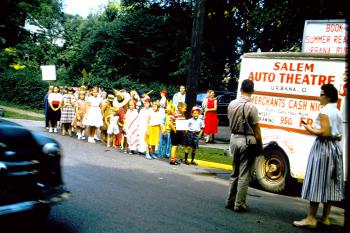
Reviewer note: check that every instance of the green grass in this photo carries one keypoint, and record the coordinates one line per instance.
(207, 154)
(16, 115)
(20, 107)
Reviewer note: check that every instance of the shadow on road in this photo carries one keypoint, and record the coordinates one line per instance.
(31, 224)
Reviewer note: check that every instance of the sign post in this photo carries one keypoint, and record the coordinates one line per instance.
(84, 73)
(48, 72)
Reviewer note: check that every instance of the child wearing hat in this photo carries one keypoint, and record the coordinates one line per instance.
(195, 130)
(163, 100)
(106, 109)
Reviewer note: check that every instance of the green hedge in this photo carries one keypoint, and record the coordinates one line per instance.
(23, 87)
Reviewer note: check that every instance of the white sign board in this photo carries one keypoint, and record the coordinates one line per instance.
(48, 72)
(325, 36)
(287, 90)
(181, 124)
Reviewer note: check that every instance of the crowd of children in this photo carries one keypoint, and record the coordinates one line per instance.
(124, 120)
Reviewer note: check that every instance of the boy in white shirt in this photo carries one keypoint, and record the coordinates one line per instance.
(195, 130)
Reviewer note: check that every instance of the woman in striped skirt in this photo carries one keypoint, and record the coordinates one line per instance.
(324, 181)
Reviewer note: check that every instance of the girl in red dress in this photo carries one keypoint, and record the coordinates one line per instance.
(211, 120)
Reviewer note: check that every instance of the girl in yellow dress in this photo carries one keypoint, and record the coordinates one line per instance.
(154, 129)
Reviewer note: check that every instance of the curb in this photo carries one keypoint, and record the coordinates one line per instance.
(213, 165)
(207, 164)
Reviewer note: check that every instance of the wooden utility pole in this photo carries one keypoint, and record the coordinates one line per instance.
(194, 65)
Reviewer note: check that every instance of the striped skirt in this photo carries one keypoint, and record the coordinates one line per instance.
(324, 178)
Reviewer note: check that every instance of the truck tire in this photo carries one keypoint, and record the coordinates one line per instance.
(272, 170)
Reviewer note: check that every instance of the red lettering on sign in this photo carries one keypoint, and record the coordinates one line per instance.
(340, 39)
(341, 50)
(294, 66)
(334, 27)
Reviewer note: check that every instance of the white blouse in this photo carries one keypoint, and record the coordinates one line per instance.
(335, 119)
(55, 97)
(155, 118)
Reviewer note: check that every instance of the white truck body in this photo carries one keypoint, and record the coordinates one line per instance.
(287, 89)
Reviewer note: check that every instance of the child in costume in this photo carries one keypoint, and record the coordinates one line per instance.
(111, 121)
(176, 136)
(106, 109)
(195, 130)
(143, 121)
(80, 111)
(165, 142)
(131, 128)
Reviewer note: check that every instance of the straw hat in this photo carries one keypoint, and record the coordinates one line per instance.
(110, 97)
(121, 98)
(70, 89)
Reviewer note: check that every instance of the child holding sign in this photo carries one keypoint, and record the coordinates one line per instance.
(177, 122)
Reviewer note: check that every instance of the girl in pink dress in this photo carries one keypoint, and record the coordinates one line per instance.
(211, 120)
(80, 111)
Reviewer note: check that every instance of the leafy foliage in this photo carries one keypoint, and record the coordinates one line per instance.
(145, 44)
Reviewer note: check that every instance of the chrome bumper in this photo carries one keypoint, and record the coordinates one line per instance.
(31, 205)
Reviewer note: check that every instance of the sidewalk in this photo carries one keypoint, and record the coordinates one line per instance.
(222, 139)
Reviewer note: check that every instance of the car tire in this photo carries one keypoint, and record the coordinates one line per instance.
(272, 170)
(41, 214)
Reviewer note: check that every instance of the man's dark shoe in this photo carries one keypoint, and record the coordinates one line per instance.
(230, 207)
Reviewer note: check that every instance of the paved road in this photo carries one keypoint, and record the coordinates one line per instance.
(115, 192)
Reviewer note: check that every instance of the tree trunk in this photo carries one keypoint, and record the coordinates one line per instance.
(194, 65)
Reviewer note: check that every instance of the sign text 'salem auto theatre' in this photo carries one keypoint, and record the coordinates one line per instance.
(287, 90)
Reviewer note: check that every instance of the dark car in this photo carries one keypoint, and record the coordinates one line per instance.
(30, 171)
(224, 98)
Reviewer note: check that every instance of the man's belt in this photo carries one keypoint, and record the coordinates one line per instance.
(242, 133)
